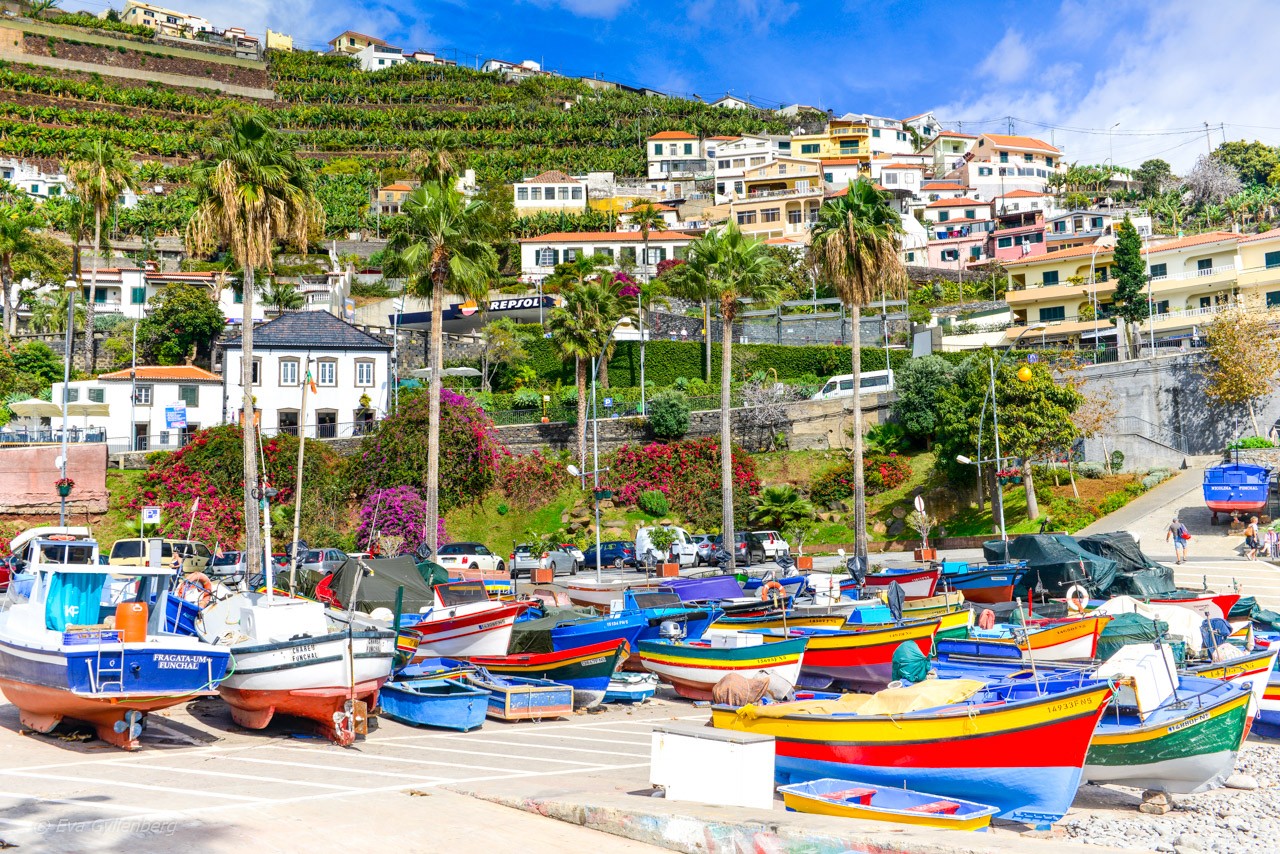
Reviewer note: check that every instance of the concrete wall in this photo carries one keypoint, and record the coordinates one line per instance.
(27, 476)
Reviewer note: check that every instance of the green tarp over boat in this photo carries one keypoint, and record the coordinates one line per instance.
(387, 575)
(1136, 574)
(535, 635)
(1054, 563)
(1125, 629)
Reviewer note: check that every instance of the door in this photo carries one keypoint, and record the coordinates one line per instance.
(287, 421)
(327, 423)
(140, 437)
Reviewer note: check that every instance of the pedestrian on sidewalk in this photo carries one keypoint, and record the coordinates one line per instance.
(1251, 541)
(1180, 535)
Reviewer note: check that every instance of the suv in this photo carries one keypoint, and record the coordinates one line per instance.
(747, 548)
(526, 558)
(706, 546)
(194, 555)
(457, 556)
(774, 545)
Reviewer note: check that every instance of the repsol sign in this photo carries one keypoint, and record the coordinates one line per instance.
(513, 304)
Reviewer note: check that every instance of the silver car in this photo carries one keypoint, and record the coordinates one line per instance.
(706, 545)
(527, 558)
(323, 561)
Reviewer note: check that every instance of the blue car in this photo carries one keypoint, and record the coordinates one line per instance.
(615, 553)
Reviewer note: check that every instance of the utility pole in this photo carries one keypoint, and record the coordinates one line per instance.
(1207, 141)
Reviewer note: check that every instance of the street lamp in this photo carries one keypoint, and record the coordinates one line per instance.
(574, 471)
(70, 285)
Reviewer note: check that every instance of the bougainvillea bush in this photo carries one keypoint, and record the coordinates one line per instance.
(210, 467)
(531, 480)
(395, 516)
(687, 473)
(880, 473)
(396, 454)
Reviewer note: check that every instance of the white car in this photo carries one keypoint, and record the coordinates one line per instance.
(774, 545)
(458, 556)
(683, 549)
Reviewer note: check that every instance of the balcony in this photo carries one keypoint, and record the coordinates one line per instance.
(1209, 273)
(782, 194)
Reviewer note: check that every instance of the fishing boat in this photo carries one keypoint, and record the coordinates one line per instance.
(721, 591)
(59, 660)
(1236, 488)
(783, 620)
(663, 606)
(1268, 720)
(1012, 746)
(849, 799)
(753, 582)
(693, 668)
(915, 583)
(1207, 604)
(563, 629)
(586, 669)
(1041, 640)
(600, 595)
(858, 660)
(933, 606)
(631, 688)
(440, 703)
(1252, 669)
(518, 698)
(984, 584)
(463, 622)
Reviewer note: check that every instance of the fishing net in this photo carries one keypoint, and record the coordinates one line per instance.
(909, 663)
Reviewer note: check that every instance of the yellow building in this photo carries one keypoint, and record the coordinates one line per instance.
(279, 41)
(842, 138)
(780, 199)
(351, 42)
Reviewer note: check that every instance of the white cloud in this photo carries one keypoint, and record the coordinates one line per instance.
(587, 8)
(758, 16)
(1008, 60)
(1159, 71)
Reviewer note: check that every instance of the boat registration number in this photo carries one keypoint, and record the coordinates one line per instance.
(1181, 725)
(377, 646)
(306, 652)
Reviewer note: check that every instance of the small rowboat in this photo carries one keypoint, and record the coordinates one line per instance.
(1064, 640)
(1252, 669)
(933, 606)
(858, 659)
(631, 688)
(732, 625)
(586, 669)
(587, 593)
(694, 667)
(986, 584)
(443, 703)
(848, 799)
(515, 698)
(915, 583)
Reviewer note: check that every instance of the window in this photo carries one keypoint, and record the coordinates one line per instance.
(848, 146)
(911, 257)
(1048, 161)
(943, 216)
(1028, 158)
(771, 215)
(809, 148)
(138, 294)
(1004, 157)
(1162, 307)
(795, 217)
(189, 394)
(72, 395)
(535, 193)
(1272, 260)
(688, 148)
(739, 162)
(971, 213)
(547, 257)
(975, 252)
(875, 131)
(829, 177)
(1159, 271)
(522, 194)
(239, 297)
(747, 218)
(97, 395)
(54, 191)
(606, 252)
(577, 193)
(327, 373)
(364, 373)
(1204, 266)
(1273, 299)
(888, 177)
(1095, 222)
(563, 193)
(1050, 278)
(782, 168)
(627, 254)
(288, 372)
(737, 187)
(950, 254)
(680, 253)
(1048, 314)
(724, 164)
(984, 171)
(142, 395)
(657, 255)
(1004, 242)
(657, 148)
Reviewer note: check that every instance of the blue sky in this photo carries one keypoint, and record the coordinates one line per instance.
(1066, 70)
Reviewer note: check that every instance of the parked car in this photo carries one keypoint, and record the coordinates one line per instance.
(226, 565)
(774, 545)
(682, 551)
(575, 551)
(323, 561)
(748, 548)
(194, 555)
(526, 558)
(872, 382)
(458, 556)
(615, 553)
(706, 546)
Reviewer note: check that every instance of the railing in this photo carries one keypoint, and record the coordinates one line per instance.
(1196, 274)
(1155, 432)
(778, 194)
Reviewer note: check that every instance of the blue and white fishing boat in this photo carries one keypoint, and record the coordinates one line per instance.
(60, 658)
(661, 606)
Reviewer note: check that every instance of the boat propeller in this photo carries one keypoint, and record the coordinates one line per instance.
(131, 725)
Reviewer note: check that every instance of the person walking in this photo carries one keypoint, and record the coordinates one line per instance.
(1251, 541)
(1180, 535)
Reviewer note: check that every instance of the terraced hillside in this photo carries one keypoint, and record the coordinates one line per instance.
(355, 124)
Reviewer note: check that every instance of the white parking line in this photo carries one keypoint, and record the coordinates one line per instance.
(317, 767)
(538, 747)
(190, 793)
(202, 772)
(507, 756)
(584, 738)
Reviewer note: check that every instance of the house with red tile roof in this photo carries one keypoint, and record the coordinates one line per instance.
(540, 255)
(676, 156)
(999, 164)
(552, 191)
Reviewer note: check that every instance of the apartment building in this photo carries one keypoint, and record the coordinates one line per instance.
(540, 255)
(550, 191)
(164, 21)
(998, 164)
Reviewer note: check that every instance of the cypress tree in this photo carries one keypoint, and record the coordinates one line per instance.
(1130, 298)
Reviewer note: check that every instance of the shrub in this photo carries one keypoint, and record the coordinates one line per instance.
(1117, 460)
(569, 396)
(668, 413)
(880, 474)
(530, 480)
(1092, 471)
(379, 288)
(395, 519)
(1070, 514)
(1250, 442)
(687, 472)
(1116, 500)
(654, 503)
(526, 398)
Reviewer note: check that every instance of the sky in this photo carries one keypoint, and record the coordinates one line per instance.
(1103, 79)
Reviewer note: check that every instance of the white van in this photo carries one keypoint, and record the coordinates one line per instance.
(683, 548)
(873, 382)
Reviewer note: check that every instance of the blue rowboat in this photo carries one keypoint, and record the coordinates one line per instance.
(517, 698)
(443, 703)
(563, 629)
(661, 606)
(631, 688)
(791, 585)
(986, 584)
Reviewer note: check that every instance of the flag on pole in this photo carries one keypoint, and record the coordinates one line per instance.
(311, 381)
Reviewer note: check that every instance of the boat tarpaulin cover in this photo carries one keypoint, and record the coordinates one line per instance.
(378, 588)
(910, 663)
(1054, 563)
(1125, 629)
(891, 701)
(535, 635)
(1136, 574)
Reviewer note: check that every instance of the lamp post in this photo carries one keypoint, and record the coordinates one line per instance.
(133, 392)
(70, 285)
(574, 471)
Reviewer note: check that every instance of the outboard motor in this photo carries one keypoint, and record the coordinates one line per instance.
(671, 630)
(786, 563)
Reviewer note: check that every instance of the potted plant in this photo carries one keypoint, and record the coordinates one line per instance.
(662, 539)
(923, 523)
(64, 485)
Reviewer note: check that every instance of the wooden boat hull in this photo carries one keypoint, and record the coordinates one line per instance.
(1072, 640)
(1253, 669)
(883, 804)
(440, 703)
(915, 583)
(632, 688)
(587, 669)
(933, 606)
(1023, 757)
(954, 624)
(598, 595)
(255, 709)
(742, 624)
(466, 632)
(1192, 754)
(860, 659)
(693, 669)
(515, 698)
(985, 586)
(1209, 606)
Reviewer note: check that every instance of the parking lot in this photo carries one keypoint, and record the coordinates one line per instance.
(199, 778)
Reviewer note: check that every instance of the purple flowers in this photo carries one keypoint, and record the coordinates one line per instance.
(398, 513)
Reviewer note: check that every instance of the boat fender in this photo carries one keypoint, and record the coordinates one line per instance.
(200, 581)
(767, 588)
(1077, 599)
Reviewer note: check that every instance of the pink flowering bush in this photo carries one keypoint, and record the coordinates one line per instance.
(531, 480)
(880, 474)
(397, 512)
(687, 473)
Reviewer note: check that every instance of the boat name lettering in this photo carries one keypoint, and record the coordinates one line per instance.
(593, 661)
(180, 662)
(306, 652)
(1069, 704)
(1181, 725)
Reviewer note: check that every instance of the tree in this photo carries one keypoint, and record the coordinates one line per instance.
(1155, 175)
(918, 384)
(432, 162)
(580, 329)
(1243, 358)
(18, 237)
(100, 172)
(1095, 418)
(855, 246)
(444, 247)
(49, 312)
(1130, 299)
(1211, 180)
(283, 296)
(251, 189)
(502, 346)
(647, 219)
(183, 321)
(668, 413)
(776, 507)
(730, 267)
(1252, 162)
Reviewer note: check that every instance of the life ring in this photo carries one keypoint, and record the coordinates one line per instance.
(1077, 599)
(200, 580)
(771, 585)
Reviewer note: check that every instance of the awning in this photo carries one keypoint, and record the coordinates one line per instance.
(87, 409)
(35, 408)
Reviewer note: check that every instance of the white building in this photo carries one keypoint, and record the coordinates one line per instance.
(675, 155)
(351, 369)
(512, 71)
(729, 102)
(998, 164)
(377, 57)
(550, 191)
(898, 176)
(146, 409)
(540, 255)
(670, 216)
(165, 21)
(39, 182)
(730, 156)
(925, 124)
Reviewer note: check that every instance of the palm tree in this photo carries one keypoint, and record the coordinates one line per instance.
(730, 266)
(100, 173)
(647, 219)
(581, 329)
(251, 189)
(18, 237)
(283, 296)
(778, 506)
(444, 247)
(49, 313)
(855, 246)
(433, 161)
